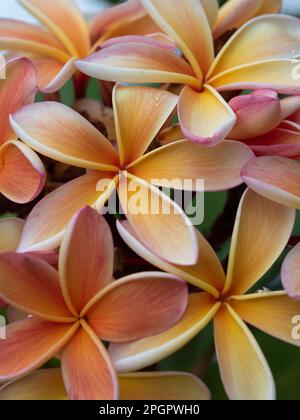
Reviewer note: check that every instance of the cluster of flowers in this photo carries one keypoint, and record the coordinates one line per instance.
(57, 267)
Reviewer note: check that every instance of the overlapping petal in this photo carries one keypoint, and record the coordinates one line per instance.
(137, 355)
(186, 163)
(244, 369)
(261, 232)
(272, 313)
(60, 133)
(290, 273)
(52, 74)
(31, 343)
(276, 178)
(87, 371)
(158, 221)
(32, 286)
(10, 233)
(140, 112)
(85, 258)
(205, 118)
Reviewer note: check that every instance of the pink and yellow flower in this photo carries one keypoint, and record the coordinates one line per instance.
(244, 63)
(22, 174)
(47, 384)
(60, 133)
(261, 232)
(66, 36)
(72, 309)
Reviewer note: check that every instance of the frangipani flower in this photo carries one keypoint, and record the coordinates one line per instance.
(261, 232)
(73, 308)
(244, 63)
(65, 39)
(268, 125)
(22, 174)
(60, 133)
(47, 384)
(290, 273)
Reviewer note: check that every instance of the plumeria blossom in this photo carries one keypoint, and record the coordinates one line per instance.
(22, 174)
(244, 63)
(64, 37)
(261, 232)
(72, 309)
(290, 273)
(47, 384)
(60, 133)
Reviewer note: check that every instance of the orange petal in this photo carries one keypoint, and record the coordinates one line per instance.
(138, 63)
(219, 167)
(22, 176)
(276, 178)
(60, 133)
(87, 371)
(46, 224)
(137, 355)
(234, 14)
(197, 113)
(42, 385)
(207, 274)
(271, 312)
(188, 25)
(281, 35)
(257, 114)
(10, 233)
(160, 386)
(244, 369)
(52, 74)
(85, 259)
(158, 221)
(32, 286)
(290, 273)
(18, 90)
(261, 233)
(138, 306)
(64, 20)
(270, 6)
(30, 344)
(140, 112)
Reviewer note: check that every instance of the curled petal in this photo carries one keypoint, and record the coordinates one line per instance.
(290, 273)
(276, 178)
(52, 74)
(205, 118)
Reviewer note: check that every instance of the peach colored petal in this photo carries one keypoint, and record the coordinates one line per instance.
(52, 74)
(205, 118)
(22, 175)
(140, 112)
(234, 13)
(158, 221)
(207, 274)
(30, 344)
(10, 233)
(219, 167)
(86, 258)
(60, 133)
(138, 306)
(261, 233)
(138, 63)
(290, 273)
(281, 35)
(159, 39)
(257, 113)
(42, 385)
(18, 89)
(270, 6)
(46, 224)
(137, 355)
(64, 20)
(87, 371)
(170, 135)
(244, 370)
(32, 286)
(276, 178)
(188, 25)
(271, 312)
(161, 386)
